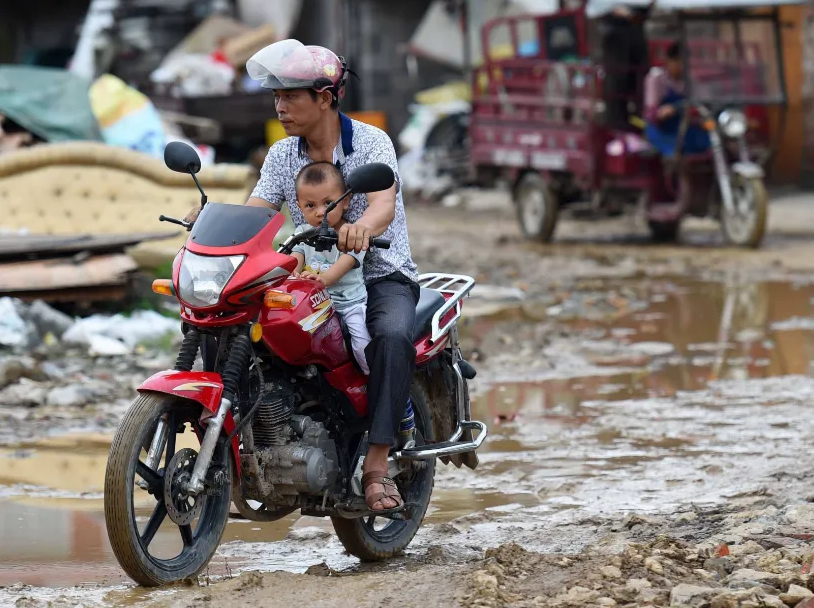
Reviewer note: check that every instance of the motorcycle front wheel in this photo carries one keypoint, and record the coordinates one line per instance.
(158, 534)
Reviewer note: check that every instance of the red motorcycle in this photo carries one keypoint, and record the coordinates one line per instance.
(279, 412)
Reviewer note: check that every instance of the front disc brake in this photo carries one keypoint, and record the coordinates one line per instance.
(181, 507)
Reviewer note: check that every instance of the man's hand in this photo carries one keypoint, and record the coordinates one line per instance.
(354, 237)
(192, 215)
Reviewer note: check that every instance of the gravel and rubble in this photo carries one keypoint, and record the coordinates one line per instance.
(751, 554)
(754, 552)
(53, 380)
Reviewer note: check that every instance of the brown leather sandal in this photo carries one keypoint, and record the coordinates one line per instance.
(391, 491)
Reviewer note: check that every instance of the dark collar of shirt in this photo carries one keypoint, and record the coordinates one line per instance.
(346, 130)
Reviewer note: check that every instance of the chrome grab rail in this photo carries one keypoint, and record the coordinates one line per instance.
(457, 286)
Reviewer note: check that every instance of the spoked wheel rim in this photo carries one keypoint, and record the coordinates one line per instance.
(148, 543)
(533, 205)
(740, 224)
(163, 489)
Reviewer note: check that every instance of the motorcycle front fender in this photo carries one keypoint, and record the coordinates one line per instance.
(748, 170)
(205, 388)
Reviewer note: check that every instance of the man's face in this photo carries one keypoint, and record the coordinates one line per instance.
(297, 110)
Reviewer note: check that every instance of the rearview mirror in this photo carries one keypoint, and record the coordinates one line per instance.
(372, 177)
(181, 158)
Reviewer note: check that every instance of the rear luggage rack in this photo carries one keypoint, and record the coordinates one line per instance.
(457, 286)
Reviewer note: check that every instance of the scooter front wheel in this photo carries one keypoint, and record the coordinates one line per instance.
(745, 225)
(158, 533)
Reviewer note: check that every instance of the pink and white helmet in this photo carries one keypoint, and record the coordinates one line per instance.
(289, 64)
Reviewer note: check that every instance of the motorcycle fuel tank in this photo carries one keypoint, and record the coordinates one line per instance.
(305, 329)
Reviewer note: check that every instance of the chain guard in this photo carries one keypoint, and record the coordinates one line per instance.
(181, 507)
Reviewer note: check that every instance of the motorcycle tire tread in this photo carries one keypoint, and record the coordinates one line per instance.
(351, 532)
(116, 500)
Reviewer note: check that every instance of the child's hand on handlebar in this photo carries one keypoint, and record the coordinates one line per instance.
(313, 276)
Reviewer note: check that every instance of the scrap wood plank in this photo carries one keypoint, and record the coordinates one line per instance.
(101, 293)
(47, 245)
(64, 273)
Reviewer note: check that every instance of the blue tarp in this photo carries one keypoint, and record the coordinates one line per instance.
(51, 103)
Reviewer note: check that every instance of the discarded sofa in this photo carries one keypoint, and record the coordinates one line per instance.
(91, 188)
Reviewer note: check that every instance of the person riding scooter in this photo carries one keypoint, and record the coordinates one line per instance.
(663, 97)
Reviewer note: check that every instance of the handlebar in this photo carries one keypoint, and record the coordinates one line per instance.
(172, 220)
(312, 237)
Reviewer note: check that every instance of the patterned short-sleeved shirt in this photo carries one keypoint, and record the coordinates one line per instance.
(360, 144)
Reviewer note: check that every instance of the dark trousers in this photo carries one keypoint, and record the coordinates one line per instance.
(626, 61)
(391, 303)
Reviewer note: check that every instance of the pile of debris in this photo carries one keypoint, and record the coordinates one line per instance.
(27, 328)
(751, 558)
(59, 373)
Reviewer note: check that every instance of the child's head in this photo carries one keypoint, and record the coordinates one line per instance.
(318, 185)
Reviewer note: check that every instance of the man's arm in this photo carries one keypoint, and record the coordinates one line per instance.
(259, 202)
(654, 86)
(269, 190)
(252, 202)
(381, 209)
(268, 186)
(381, 206)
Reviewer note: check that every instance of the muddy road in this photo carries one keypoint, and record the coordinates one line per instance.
(650, 413)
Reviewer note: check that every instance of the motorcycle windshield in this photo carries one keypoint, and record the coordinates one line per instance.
(222, 225)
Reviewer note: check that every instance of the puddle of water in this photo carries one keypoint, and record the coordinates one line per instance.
(699, 416)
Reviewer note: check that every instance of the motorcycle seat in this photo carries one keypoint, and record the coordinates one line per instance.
(428, 304)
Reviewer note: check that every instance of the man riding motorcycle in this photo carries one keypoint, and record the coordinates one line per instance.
(308, 82)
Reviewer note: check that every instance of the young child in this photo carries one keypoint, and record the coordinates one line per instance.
(318, 185)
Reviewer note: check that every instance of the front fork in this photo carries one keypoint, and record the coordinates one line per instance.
(238, 358)
(214, 426)
(156, 449)
(722, 170)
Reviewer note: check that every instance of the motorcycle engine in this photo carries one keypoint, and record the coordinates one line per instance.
(295, 453)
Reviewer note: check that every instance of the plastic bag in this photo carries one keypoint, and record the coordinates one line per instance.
(126, 116)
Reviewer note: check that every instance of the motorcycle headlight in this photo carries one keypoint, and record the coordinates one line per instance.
(733, 123)
(202, 278)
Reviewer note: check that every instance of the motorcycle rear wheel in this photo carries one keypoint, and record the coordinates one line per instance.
(376, 538)
(664, 232)
(199, 539)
